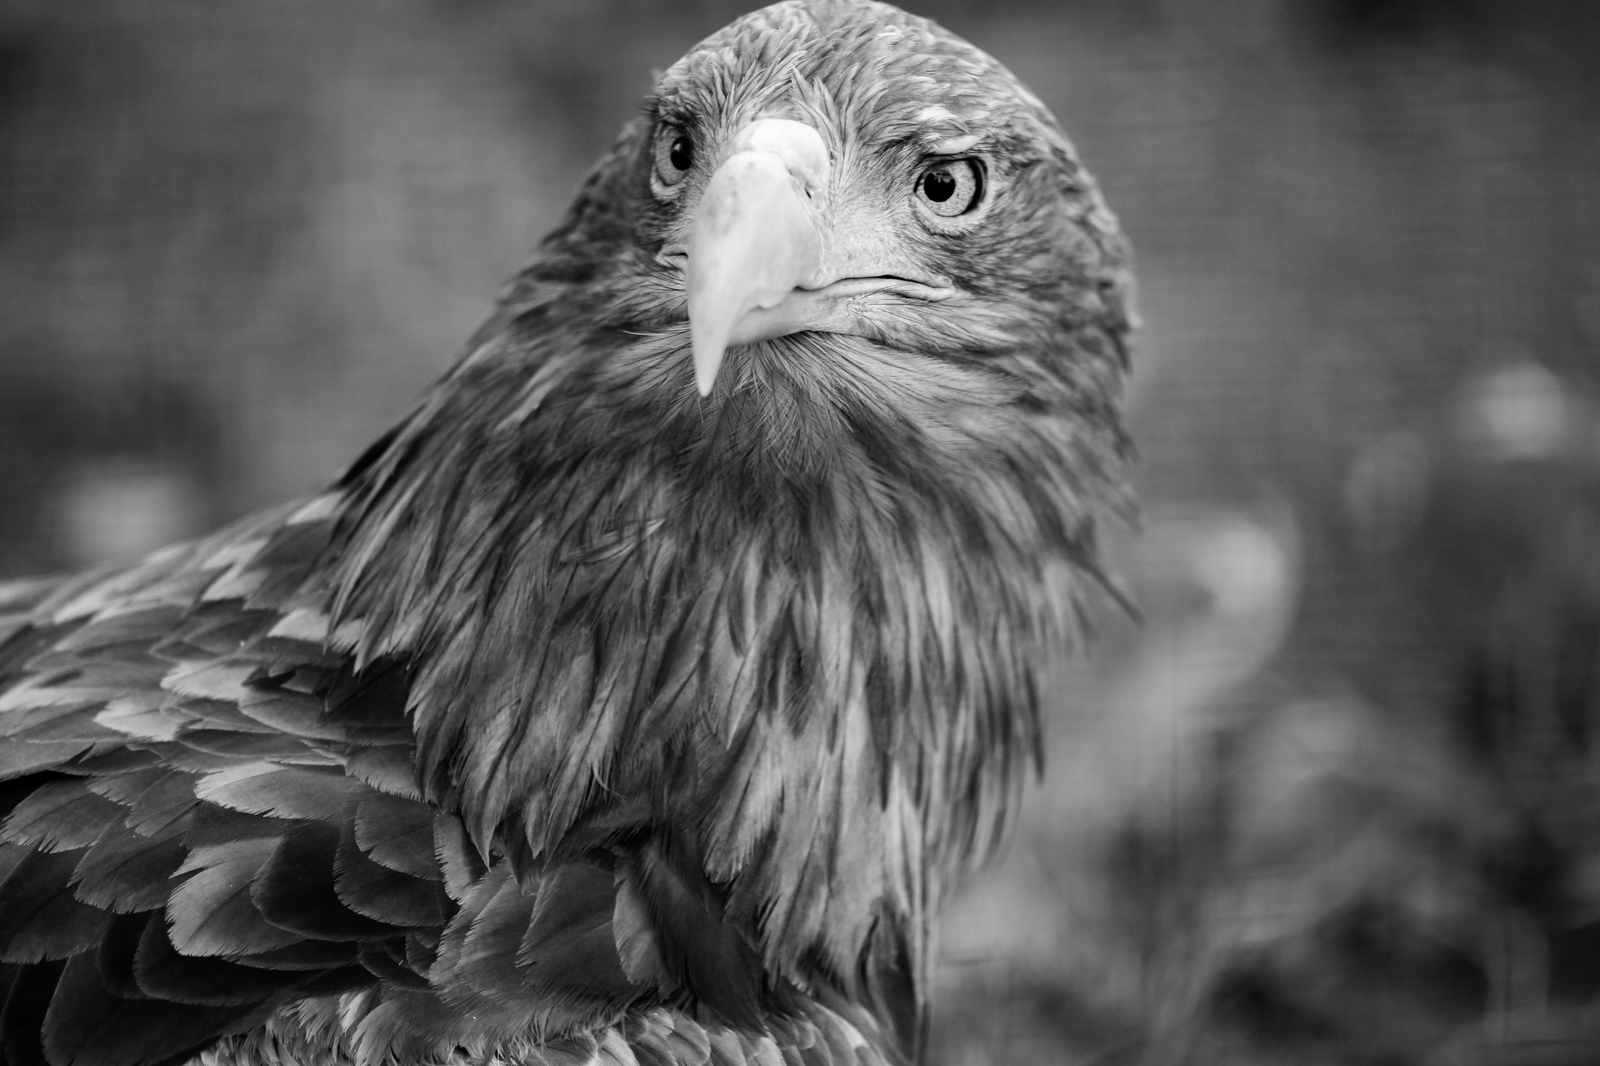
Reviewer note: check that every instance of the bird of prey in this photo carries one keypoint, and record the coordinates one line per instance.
(636, 698)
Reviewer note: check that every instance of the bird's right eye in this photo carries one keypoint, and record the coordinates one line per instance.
(951, 188)
(674, 157)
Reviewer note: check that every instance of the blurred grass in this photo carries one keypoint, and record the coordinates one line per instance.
(1332, 802)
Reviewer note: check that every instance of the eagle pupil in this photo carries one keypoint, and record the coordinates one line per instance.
(939, 185)
(681, 154)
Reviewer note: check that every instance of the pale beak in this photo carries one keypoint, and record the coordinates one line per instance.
(756, 238)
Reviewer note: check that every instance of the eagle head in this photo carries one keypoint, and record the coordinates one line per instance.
(845, 206)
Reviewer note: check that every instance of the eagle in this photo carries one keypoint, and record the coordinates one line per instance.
(640, 695)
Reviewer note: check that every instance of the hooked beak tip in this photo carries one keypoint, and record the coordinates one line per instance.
(708, 352)
(703, 381)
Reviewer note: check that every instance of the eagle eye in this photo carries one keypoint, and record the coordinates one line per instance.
(951, 187)
(674, 155)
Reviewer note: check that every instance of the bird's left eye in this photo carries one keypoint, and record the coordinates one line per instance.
(674, 156)
(951, 187)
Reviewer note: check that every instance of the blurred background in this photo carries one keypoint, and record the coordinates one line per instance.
(1335, 800)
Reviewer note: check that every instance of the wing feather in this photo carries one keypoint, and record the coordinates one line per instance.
(269, 788)
(157, 804)
(114, 958)
(297, 889)
(61, 816)
(212, 912)
(473, 949)
(124, 872)
(40, 918)
(382, 959)
(161, 973)
(20, 758)
(384, 895)
(303, 955)
(22, 1019)
(386, 766)
(85, 1025)
(398, 834)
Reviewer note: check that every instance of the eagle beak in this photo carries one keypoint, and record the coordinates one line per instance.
(756, 239)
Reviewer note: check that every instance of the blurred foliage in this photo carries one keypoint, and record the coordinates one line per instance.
(1335, 800)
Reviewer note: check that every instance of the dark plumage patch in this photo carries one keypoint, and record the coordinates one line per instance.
(296, 891)
(86, 1025)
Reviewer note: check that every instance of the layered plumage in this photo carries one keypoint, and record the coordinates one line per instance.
(585, 715)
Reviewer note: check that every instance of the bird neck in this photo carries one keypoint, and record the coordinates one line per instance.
(799, 628)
